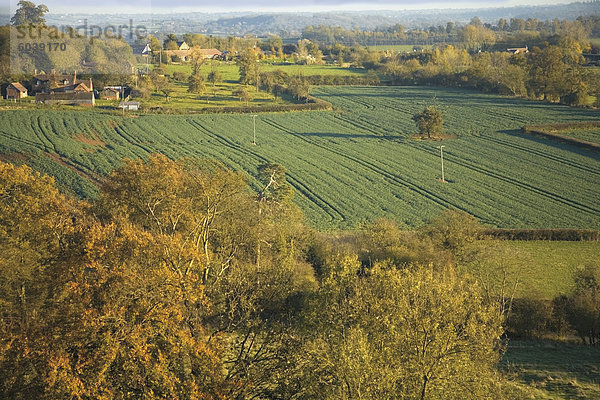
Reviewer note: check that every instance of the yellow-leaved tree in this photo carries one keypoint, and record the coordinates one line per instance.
(401, 333)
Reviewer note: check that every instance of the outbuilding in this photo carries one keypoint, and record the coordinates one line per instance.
(15, 91)
(129, 105)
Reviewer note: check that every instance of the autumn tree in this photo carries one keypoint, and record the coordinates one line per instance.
(410, 333)
(36, 234)
(84, 314)
(583, 310)
(430, 122)
(248, 67)
(299, 87)
(196, 83)
(213, 78)
(242, 94)
(477, 37)
(161, 84)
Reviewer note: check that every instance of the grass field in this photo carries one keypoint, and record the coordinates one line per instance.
(230, 71)
(357, 163)
(555, 370)
(221, 95)
(550, 266)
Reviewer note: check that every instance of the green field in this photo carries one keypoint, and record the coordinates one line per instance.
(549, 267)
(357, 163)
(221, 95)
(230, 71)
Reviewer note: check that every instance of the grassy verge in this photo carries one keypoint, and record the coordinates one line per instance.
(583, 134)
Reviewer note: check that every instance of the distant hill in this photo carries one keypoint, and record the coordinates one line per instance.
(291, 24)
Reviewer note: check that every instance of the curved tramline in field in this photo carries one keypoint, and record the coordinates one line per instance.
(353, 164)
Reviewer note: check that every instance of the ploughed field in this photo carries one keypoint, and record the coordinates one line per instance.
(356, 163)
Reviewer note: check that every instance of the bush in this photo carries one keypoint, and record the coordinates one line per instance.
(530, 318)
(180, 76)
(143, 93)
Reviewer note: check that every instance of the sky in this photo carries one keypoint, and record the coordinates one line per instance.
(167, 6)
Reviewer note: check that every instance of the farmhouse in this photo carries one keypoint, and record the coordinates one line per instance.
(72, 93)
(109, 93)
(182, 46)
(43, 82)
(77, 87)
(182, 55)
(185, 55)
(67, 98)
(15, 91)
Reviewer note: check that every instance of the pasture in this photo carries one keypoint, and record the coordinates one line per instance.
(548, 267)
(353, 164)
(222, 93)
(230, 71)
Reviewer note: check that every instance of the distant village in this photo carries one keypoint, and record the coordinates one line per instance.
(65, 88)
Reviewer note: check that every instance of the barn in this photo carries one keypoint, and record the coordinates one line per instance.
(15, 91)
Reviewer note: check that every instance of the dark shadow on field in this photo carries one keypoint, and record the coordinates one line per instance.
(553, 143)
(396, 138)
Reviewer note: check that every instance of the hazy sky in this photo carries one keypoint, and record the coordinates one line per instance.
(161, 6)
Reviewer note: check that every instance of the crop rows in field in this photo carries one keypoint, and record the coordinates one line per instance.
(357, 163)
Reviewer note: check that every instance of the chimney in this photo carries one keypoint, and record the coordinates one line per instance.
(75, 77)
(91, 86)
(35, 71)
(52, 71)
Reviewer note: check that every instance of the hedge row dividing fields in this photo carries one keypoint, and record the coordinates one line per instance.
(356, 163)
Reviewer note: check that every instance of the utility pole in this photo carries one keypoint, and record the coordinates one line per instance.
(254, 127)
(442, 158)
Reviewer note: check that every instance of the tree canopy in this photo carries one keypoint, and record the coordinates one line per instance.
(430, 122)
(29, 13)
(182, 282)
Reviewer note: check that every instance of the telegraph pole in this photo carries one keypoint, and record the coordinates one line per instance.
(254, 128)
(442, 158)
